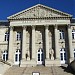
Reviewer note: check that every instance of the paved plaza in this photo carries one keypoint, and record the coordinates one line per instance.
(39, 69)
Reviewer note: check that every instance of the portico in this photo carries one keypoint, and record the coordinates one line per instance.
(39, 39)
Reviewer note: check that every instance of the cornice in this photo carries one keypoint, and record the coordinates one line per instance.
(45, 18)
(72, 24)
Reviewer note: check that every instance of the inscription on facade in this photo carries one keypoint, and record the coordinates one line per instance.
(39, 21)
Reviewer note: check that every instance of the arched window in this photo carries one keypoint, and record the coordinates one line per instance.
(61, 32)
(5, 55)
(73, 34)
(18, 36)
(6, 36)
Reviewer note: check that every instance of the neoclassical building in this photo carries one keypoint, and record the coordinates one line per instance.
(39, 35)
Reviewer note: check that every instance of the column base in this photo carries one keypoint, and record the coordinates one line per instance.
(28, 63)
(55, 62)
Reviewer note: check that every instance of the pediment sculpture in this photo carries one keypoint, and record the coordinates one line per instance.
(39, 11)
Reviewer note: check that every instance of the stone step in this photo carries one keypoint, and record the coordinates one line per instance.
(14, 71)
(38, 69)
(41, 70)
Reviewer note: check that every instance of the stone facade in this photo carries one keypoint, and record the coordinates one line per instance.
(39, 35)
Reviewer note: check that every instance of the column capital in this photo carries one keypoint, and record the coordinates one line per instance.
(24, 27)
(46, 26)
(33, 27)
(69, 26)
(55, 26)
(11, 27)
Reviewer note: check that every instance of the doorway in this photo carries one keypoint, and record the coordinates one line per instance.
(63, 56)
(40, 57)
(17, 57)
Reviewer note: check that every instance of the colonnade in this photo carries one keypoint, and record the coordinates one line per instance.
(57, 50)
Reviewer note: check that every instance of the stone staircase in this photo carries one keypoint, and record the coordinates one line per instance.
(41, 69)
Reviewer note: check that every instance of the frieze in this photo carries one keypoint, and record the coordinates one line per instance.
(39, 21)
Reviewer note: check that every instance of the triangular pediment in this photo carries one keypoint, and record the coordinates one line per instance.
(39, 11)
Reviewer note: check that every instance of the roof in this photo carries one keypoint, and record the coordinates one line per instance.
(4, 23)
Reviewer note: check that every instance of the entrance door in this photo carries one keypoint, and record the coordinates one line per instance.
(17, 57)
(40, 57)
(63, 56)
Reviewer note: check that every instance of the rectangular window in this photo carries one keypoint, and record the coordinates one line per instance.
(6, 36)
(5, 55)
(73, 34)
(18, 36)
(61, 34)
(63, 55)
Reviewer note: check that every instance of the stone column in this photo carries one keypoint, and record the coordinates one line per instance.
(24, 43)
(33, 42)
(47, 42)
(70, 43)
(57, 50)
(10, 53)
(50, 40)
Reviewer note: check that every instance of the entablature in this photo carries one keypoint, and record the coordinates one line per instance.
(40, 22)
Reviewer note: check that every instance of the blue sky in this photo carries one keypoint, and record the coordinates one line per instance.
(10, 7)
